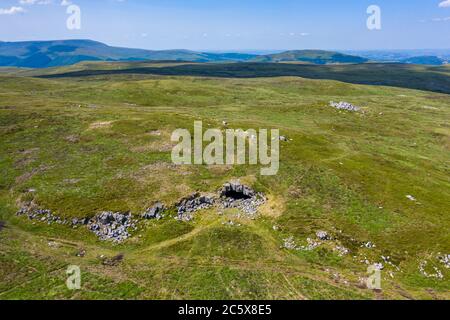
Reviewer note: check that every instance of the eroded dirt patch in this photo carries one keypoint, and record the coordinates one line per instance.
(26, 157)
(161, 142)
(28, 175)
(100, 125)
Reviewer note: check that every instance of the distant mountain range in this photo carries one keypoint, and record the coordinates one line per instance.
(422, 56)
(311, 56)
(43, 54)
(430, 60)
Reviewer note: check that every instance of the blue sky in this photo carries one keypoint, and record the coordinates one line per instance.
(234, 24)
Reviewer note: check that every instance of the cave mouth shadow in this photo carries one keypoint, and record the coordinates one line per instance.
(235, 195)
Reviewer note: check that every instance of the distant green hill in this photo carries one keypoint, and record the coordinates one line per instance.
(44, 54)
(311, 56)
(430, 60)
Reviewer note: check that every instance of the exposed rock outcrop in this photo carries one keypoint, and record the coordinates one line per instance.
(116, 226)
(193, 203)
(344, 106)
(242, 197)
(155, 212)
(112, 226)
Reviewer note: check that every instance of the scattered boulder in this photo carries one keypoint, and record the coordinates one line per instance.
(114, 261)
(341, 250)
(368, 245)
(444, 259)
(311, 244)
(323, 235)
(436, 273)
(289, 243)
(81, 253)
(344, 106)
(53, 244)
(155, 212)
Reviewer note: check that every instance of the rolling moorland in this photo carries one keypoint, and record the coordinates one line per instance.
(94, 137)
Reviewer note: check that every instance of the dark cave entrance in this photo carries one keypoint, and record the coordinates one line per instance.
(235, 195)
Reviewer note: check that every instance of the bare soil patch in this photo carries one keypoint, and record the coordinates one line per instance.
(100, 125)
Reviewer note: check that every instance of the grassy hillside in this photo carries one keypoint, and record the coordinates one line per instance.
(80, 145)
(311, 56)
(399, 75)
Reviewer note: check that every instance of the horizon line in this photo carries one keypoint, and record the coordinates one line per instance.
(225, 50)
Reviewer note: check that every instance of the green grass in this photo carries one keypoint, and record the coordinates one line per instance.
(86, 145)
(422, 77)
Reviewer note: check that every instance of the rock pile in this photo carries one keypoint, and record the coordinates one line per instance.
(341, 250)
(311, 244)
(236, 195)
(155, 212)
(437, 273)
(47, 216)
(193, 203)
(323, 235)
(107, 225)
(112, 226)
(289, 243)
(80, 222)
(344, 106)
(444, 259)
(43, 215)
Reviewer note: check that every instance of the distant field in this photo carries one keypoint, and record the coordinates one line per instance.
(420, 77)
(81, 140)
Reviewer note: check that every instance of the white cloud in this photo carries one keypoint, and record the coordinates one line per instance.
(66, 3)
(31, 2)
(444, 4)
(11, 11)
(441, 19)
